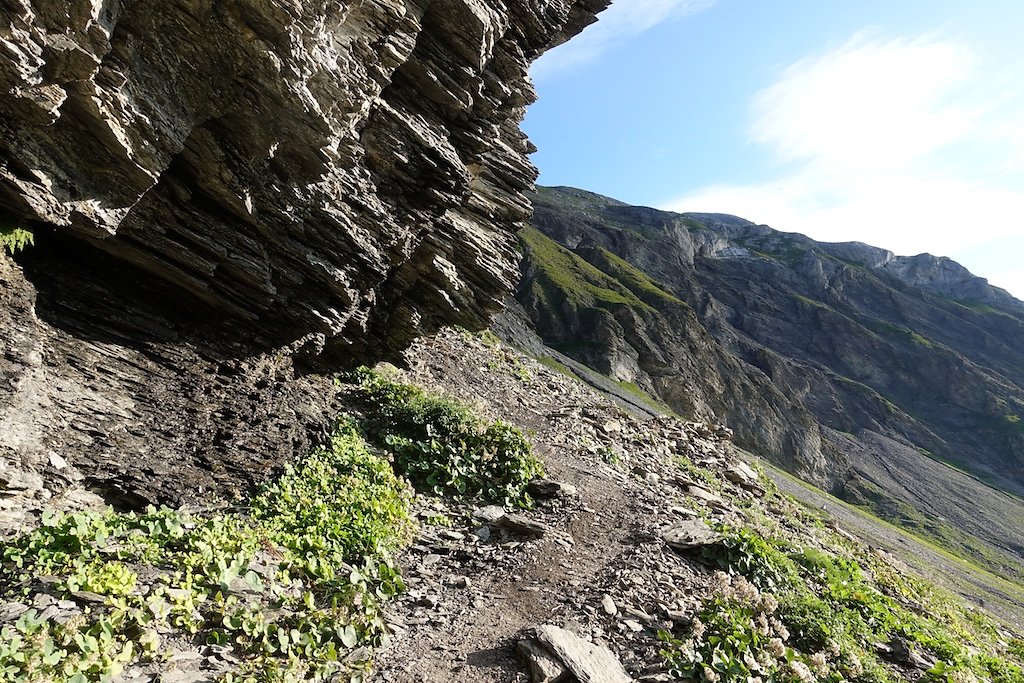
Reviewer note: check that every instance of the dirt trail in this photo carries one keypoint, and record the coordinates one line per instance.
(470, 599)
(602, 568)
(471, 632)
(468, 632)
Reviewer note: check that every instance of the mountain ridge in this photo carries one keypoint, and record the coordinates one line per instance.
(856, 251)
(834, 369)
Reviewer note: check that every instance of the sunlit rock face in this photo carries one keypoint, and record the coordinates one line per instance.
(220, 187)
(345, 169)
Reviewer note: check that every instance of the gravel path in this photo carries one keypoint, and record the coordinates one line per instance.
(601, 568)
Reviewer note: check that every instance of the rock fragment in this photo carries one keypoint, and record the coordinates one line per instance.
(690, 534)
(489, 513)
(579, 660)
(549, 488)
(608, 605)
(523, 525)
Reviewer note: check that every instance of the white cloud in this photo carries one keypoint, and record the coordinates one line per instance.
(624, 19)
(900, 143)
(867, 104)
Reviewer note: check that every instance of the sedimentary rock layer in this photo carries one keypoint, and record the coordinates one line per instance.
(323, 178)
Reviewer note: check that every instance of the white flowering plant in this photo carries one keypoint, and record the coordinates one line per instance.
(737, 637)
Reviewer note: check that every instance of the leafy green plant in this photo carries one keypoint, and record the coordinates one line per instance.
(295, 584)
(443, 447)
(610, 456)
(699, 474)
(828, 604)
(737, 637)
(14, 240)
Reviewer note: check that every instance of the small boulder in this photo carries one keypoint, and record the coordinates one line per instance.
(548, 649)
(549, 488)
(690, 534)
(705, 496)
(608, 605)
(523, 525)
(489, 513)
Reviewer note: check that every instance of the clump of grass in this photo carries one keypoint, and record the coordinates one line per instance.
(293, 585)
(701, 475)
(549, 362)
(443, 447)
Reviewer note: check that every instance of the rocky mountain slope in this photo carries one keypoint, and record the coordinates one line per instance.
(225, 196)
(896, 382)
(651, 551)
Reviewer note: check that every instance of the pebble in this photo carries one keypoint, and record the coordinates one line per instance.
(609, 605)
(489, 513)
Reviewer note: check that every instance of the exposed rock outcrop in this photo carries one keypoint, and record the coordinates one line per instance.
(347, 169)
(220, 186)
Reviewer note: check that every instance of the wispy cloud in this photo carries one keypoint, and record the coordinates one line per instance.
(868, 104)
(623, 20)
(911, 145)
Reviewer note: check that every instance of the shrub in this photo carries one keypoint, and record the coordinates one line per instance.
(443, 447)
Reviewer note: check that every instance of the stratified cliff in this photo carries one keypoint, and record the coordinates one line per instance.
(219, 188)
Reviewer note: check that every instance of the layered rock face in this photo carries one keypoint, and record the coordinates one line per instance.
(347, 169)
(252, 179)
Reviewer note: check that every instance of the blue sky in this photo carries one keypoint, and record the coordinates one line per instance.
(899, 124)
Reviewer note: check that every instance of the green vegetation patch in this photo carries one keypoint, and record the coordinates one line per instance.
(692, 224)
(293, 585)
(811, 303)
(876, 501)
(14, 240)
(549, 362)
(565, 276)
(1008, 424)
(644, 397)
(898, 333)
(791, 613)
(777, 247)
(634, 279)
(443, 447)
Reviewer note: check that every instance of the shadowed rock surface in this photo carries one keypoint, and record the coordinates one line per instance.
(218, 188)
(859, 370)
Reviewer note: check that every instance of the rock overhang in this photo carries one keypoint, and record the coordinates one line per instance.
(344, 171)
